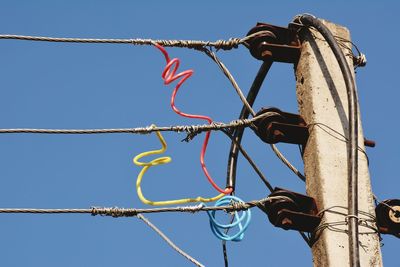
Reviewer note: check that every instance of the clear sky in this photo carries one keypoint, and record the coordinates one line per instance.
(59, 85)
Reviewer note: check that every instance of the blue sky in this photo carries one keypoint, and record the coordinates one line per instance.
(58, 85)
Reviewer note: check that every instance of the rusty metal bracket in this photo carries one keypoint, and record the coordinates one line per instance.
(388, 217)
(292, 211)
(369, 143)
(283, 127)
(276, 43)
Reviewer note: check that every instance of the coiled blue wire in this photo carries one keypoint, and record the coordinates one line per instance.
(242, 221)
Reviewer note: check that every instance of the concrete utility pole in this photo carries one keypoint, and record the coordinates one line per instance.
(322, 99)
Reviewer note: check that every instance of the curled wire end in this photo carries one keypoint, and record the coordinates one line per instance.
(240, 221)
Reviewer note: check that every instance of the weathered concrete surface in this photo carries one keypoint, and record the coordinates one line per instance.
(322, 98)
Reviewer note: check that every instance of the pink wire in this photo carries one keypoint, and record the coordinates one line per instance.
(169, 75)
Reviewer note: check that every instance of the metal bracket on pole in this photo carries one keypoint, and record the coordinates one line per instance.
(388, 217)
(283, 127)
(277, 43)
(291, 210)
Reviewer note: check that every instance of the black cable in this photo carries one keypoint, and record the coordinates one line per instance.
(250, 160)
(238, 134)
(225, 253)
(224, 249)
(267, 184)
(260, 174)
(352, 152)
(236, 146)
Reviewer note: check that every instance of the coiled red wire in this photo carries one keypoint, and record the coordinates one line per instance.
(169, 75)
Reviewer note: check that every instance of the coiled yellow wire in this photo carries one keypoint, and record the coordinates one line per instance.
(161, 161)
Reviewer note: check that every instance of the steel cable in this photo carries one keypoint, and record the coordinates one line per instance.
(194, 44)
(189, 129)
(131, 212)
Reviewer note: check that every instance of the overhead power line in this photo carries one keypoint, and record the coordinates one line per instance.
(169, 241)
(194, 44)
(131, 212)
(190, 129)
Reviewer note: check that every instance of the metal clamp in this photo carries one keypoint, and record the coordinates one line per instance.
(283, 127)
(291, 210)
(276, 43)
(388, 217)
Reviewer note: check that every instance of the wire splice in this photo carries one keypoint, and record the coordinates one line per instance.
(156, 162)
(241, 222)
(169, 75)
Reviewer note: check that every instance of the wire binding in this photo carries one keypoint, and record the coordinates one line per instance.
(229, 44)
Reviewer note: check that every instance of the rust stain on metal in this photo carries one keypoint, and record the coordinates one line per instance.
(388, 217)
(283, 127)
(293, 211)
(276, 43)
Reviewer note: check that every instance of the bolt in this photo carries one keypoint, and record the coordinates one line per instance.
(394, 214)
(266, 54)
(369, 143)
(278, 135)
(397, 214)
(286, 222)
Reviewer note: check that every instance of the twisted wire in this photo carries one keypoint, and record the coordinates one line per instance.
(132, 212)
(359, 60)
(364, 219)
(287, 162)
(172, 244)
(230, 77)
(332, 132)
(194, 44)
(192, 130)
